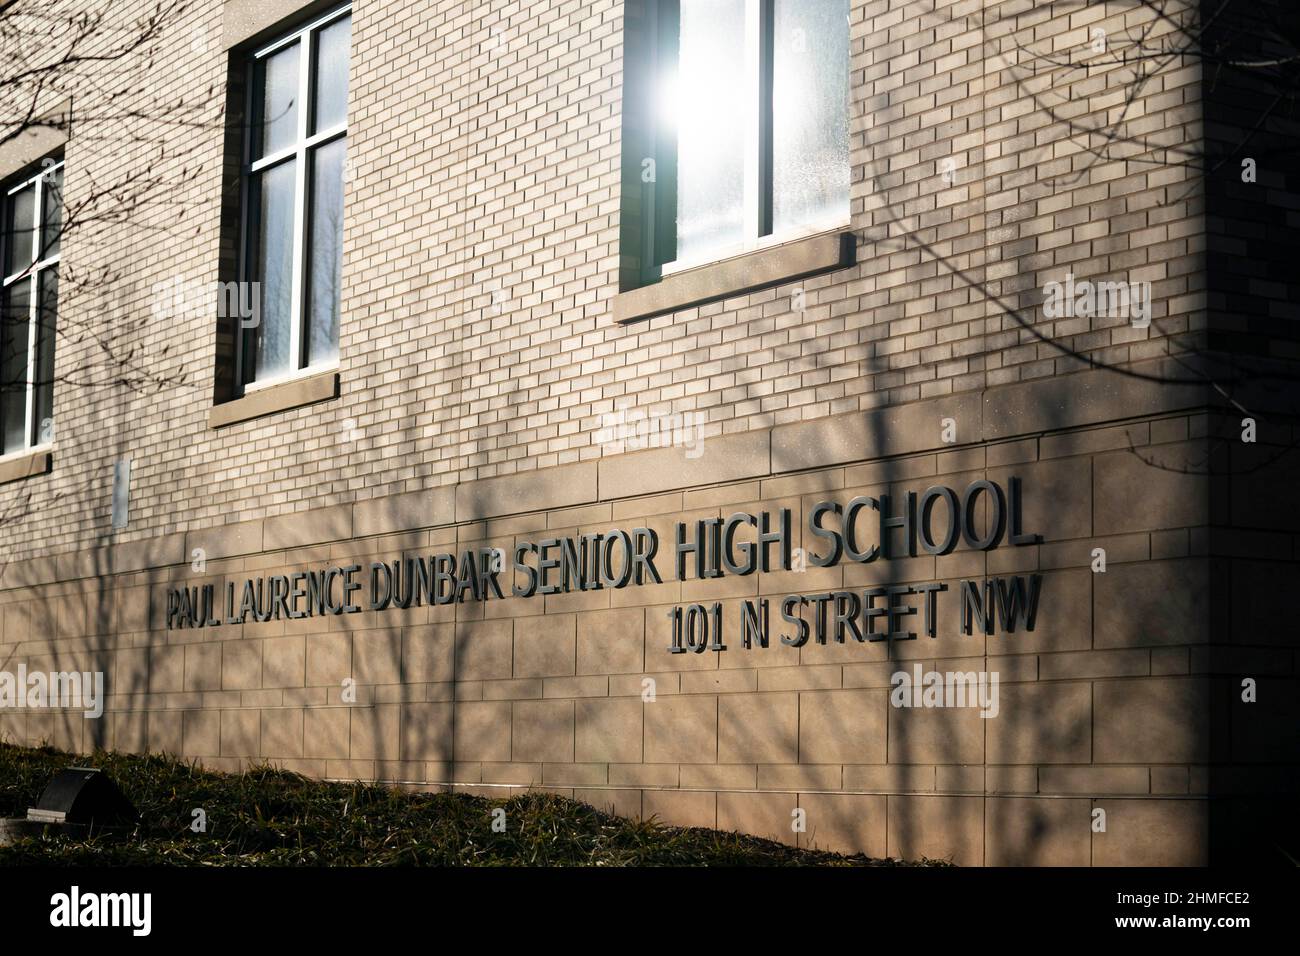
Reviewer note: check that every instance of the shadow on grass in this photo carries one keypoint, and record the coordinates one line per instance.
(268, 817)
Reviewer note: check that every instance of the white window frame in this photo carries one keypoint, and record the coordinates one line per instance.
(32, 275)
(301, 150)
(759, 15)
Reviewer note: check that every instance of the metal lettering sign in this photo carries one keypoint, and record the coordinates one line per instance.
(862, 530)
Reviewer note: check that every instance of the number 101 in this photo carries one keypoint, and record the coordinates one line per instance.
(696, 629)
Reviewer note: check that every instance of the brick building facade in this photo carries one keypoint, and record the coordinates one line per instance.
(495, 331)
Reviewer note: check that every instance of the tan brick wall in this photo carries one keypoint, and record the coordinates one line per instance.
(484, 146)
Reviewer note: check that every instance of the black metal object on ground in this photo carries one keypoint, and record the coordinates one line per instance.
(84, 796)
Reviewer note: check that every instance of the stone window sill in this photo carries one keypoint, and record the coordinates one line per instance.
(27, 464)
(787, 262)
(276, 398)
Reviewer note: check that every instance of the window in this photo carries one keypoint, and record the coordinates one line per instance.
(295, 149)
(744, 125)
(33, 221)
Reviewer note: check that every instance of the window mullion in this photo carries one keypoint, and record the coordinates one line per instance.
(33, 309)
(321, 137)
(244, 268)
(274, 159)
(297, 310)
(753, 119)
(4, 300)
(766, 40)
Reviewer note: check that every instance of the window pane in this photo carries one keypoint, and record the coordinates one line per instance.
(15, 320)
(810, 113)
(52, 217)
(19, 221)
(331, 69)
(44, 382)
(326, 256)
(707, 103)
(276, 96)
(273, 268)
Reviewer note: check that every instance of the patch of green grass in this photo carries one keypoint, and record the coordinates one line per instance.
(268, 817)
